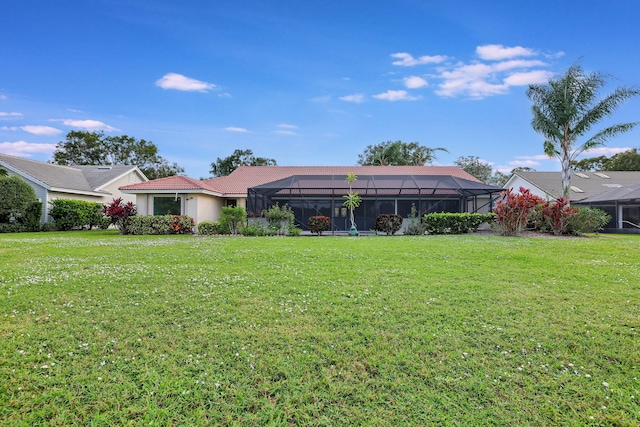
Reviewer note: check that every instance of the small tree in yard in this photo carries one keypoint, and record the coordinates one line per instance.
(352, 201)
(119, 213)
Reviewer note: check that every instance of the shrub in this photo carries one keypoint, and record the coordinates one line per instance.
(49, 226)
(208, 228)
(119, 213)
(12, 227)
(31, 217)
(557, 215)
(69, 214)
(182, 224)
(318, 224)
(232, 218)
(587, 220)
(455, 223)
(514, 211)
(161, 224)
(16, 198)
(279, 218)
(388, 223)
(254, 228)
(415, 226)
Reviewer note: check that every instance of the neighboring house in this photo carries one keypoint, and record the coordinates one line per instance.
(622, 204)
(318, 190)
(616, 192)
(89, 183)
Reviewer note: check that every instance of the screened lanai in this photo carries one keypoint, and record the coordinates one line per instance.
(311, 195)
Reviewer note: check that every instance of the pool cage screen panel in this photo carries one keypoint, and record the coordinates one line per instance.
(310, 195)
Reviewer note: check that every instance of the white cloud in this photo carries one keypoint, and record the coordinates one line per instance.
(41, 130)
(287, 126)
(184, 83)
(479, 80)
(604, 151)
(285, 132)
(498, 52)
(396, 95)
(11, 115)
(3, 97)
(414, 82)
(91, 125)
(528, 77)
(407, 60)
(25, 149)
(10, 128)
(357, 98)
(235, 129)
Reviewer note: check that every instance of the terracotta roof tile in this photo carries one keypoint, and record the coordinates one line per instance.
(176, 182)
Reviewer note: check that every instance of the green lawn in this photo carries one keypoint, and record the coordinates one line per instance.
(102, 329)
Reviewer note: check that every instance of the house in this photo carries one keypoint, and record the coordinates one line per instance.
(317, 190)
(89, 183)
(622, 204)
(548, 185)
(615, 192)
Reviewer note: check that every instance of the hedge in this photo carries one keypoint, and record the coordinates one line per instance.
(162, 224)
(455, 223)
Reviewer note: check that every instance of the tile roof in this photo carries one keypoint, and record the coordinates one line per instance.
(250, 176)
(173, 183)
(589, 183)
(86, 179)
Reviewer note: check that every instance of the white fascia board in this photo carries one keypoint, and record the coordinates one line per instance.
(71, 191)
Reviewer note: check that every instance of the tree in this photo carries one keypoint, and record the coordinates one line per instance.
(223, 167)
(626, 161)
(591, 164)
(566, 108)
(94, 148)
(476, 167)
(16, 198)
(397, 153)
(351, 202)
(3, 173)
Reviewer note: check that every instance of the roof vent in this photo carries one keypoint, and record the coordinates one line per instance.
(104, 167)
(601, 175)
(576, 189)
(582, 175)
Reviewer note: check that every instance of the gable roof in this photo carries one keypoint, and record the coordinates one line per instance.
(583, 184)
(74, 179)
(245, 177)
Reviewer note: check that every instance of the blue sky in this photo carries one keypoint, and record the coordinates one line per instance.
(304, 82)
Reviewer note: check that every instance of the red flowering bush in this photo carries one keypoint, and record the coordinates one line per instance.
(558, 215)
(515, 210)
(119, 213)
(318, 224)
(388, 223)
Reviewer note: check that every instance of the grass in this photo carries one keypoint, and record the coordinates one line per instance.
(101, 329)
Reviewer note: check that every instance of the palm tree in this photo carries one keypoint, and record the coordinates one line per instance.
(566, 108)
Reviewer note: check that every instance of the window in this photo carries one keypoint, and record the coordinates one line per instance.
(232, 203)
(167, 205)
